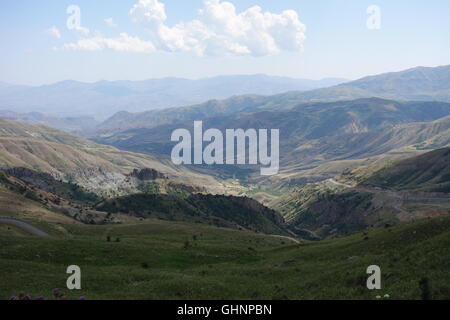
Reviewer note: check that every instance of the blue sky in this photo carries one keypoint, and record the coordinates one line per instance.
(328, 38)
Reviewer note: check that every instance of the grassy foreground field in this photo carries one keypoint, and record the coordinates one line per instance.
(167, 260)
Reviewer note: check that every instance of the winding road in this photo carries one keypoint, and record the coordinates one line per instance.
(25, 226)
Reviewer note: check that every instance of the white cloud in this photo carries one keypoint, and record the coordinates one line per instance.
(110, 22)
(124, 43)
(149, 11)
(54, 32)
(220, 30)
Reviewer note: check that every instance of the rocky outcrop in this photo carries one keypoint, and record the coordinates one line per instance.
(147, 174)
(87, 216)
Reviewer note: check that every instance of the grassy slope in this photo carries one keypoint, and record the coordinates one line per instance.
(14, 204)
(226, 264)
(12, 231)
(427, 172)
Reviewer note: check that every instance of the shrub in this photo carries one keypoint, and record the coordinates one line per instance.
(424, 285)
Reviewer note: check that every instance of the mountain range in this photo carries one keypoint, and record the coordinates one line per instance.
(317, 139)
(75, 106)
(104, 98)
(421, 83)
(76, 125)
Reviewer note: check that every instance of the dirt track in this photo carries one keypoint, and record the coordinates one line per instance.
(25, 226)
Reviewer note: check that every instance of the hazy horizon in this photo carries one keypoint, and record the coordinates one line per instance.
(179, 78)
(219, 76)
